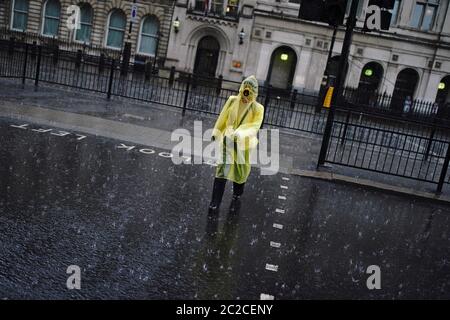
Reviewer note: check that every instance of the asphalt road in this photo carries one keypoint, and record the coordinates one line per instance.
(138, 228)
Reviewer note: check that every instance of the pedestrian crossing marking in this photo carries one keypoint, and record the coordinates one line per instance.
(279, 210)
(275, 244)
(282, 197)
(271, 267)
(265, 296)
(278, 226)
(285, 178)
(284, 187)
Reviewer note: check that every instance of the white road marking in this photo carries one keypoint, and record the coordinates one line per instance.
(278, 226)
(265, 296)
(123, 146)
(275, 244)
(60, 134)
(42, 130)
(128, 115)
(282, 197)
(285, 178)
(279, 210)
(271, 267)
(284, 187)
(147, 151)
(165, 154)
(81, 137)
(23, 126)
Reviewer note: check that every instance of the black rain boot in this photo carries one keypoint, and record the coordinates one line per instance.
(238, 190)
(218, 190)
(235, 205)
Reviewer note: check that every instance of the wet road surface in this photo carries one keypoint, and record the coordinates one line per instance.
(137, 225)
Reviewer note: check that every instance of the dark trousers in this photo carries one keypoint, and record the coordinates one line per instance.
(219, 188)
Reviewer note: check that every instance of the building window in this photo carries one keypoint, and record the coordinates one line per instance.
(19, 15)
(148, 40)
(424, 14)
(395, 12)
(116, 29)
(86, 14)
(52, 12)
(216, 7)
(232, 8)
(359, 11)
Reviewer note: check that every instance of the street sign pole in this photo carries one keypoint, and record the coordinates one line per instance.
(351, 23)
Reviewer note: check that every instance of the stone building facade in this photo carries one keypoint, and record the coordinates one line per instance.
(267, 39)
(103, 23)
(236, 38)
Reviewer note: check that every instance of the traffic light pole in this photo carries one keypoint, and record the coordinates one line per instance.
(351, 23)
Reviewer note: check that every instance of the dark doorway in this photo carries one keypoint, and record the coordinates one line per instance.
(282, 68)
(207, 57)
(371, 76)
(443, 94)
(405, 87)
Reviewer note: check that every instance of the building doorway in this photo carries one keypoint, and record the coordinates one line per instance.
(282, 68)
(207, 57)
(443, 94)
(405, 88)
(371, 76)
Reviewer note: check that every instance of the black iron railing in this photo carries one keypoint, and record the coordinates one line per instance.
(363, 137)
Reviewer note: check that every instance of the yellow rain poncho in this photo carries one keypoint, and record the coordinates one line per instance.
(236, 131)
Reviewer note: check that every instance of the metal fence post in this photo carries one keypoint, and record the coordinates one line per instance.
(344, 133)
(38, 68)
(25, 62)
(444, 170)
(111, 78)
(171, 76)
(293, 98)
(219, 85)
(430, 141)
(186, 94)
(266, 104)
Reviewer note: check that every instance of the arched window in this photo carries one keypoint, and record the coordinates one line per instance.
(148, 40)
(52, 12)
(86, 14)
(116, 29)
(19, 17)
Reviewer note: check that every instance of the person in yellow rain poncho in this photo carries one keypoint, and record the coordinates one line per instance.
(236, 132)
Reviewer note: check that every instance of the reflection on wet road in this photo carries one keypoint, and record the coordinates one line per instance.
(138, 227)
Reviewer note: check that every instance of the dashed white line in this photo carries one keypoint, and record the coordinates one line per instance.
(265, 296)
(279, 210)
(278, 226)
(275, 244)
(271, 267)
(285, 178)
(282, 197)
(284, 187)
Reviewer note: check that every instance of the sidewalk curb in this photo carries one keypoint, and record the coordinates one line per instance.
(332, 177)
